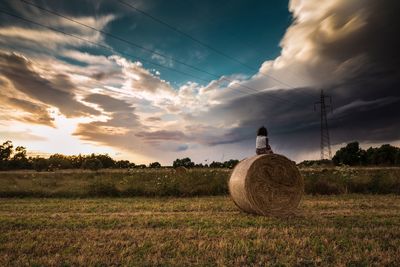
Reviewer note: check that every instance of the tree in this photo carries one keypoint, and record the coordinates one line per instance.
(20, 153)
(371, 156)
(216, 164)
(185, 162)
(6, 149)
(386, 154)
(231, 163)
(155, 165)
(106, 160)
(92, 164)
(40, 164)
(140, 166)
(351, 154)
(59, 161)
(132, 165)
(77, 161)
(123, 164)
(397, 159)
(19, 160)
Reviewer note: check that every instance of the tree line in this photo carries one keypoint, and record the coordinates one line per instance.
(353, 155)
(16, 159)
(188, 163)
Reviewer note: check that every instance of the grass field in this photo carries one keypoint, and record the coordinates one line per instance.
(353, 230)
(196, 182)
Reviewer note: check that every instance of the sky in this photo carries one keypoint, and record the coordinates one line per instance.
(158, 80)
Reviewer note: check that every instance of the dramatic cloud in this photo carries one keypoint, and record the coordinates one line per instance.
(36, 113)
(347, 48)
(141, 80)
(57, 92)
(27, 38)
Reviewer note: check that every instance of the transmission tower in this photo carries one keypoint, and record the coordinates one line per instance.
(325, 140)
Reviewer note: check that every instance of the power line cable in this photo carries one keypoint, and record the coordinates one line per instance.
(252, 46)
(245, 93)
(100, 45)
(175, 29)
(182, 33)
(149, 50)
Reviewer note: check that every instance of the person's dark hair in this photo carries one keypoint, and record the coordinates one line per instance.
(262, 131)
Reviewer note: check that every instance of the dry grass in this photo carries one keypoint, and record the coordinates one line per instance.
(354, 230)
(105, 183)
(195, 182)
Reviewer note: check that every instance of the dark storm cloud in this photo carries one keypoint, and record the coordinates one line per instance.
(376, 38)
(348, 48)
(57, 92)
(296, 129)
(263, 109)
(364, 84)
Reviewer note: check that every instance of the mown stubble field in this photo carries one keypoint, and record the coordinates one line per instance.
(353, 230)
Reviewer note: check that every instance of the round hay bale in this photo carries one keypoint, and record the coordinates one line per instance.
(266, 185)
(181, 170)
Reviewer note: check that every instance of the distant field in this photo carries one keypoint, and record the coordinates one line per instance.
(353, 230)
(196, 182)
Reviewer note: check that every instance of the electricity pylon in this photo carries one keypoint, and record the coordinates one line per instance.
(325, 140)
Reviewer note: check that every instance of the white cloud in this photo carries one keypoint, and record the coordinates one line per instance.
(322, 48)
(41, 37)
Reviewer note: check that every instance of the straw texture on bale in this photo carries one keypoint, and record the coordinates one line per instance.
(267, 185)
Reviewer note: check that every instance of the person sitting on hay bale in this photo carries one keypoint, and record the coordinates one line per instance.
(262, 146)
(267, 184)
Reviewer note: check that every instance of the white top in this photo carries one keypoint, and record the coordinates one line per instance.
(261, 142)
